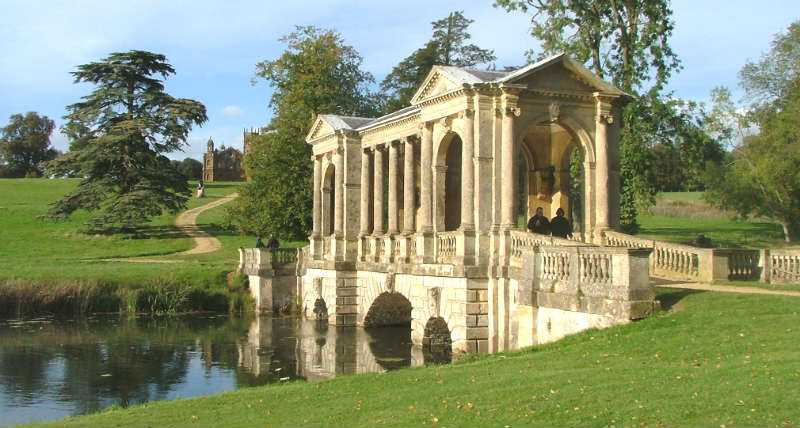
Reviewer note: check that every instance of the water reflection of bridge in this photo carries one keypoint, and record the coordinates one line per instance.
(298, 348)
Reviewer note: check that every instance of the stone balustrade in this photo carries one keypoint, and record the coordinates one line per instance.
(255, 261)
(446, 245)
(611, 281)
(524, 241)
(781, 266)
(687, 263)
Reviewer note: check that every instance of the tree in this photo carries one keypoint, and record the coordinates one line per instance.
(448, 46)
(25, 145)
(317, 73)
(191, 168)
(120, 134)
(772, 78)
(627, 42)
(762, 177)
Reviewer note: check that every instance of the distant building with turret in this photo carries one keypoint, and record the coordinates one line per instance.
(223, 164)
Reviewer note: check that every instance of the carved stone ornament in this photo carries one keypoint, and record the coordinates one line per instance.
(555, 111)
(390, 274)
(434, 300)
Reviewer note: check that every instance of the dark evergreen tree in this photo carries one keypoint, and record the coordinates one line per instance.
(120, 134)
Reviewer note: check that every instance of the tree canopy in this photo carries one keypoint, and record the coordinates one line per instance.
(120, 133)
(25, 145)
(625, 42)
(317, 73)
(449, 45)
(762, 176)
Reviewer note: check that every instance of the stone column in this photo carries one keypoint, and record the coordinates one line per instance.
(338, 214)
(377, 193)
(507, 164)
(394, 169)
(317, 215)
(602, 164)
(425, 224)
(408, 188)
(364, 213)
(468, 172)
(426, 179)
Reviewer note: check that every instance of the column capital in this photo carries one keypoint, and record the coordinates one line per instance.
(467, 113)
(426, 125)
(604, 105)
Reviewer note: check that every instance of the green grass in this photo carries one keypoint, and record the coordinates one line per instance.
(713, 360)
(680, 216)
(32, 248)
(54, 267)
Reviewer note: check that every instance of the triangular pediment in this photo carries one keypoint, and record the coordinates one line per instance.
(562, 74)
(438, 82)
(320, 128)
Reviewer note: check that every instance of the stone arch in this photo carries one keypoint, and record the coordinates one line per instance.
(448, 182)
(437, 344)
(389, 309)
(579, 139)
(328, 199)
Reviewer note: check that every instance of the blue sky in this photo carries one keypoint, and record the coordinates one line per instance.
(214, 46)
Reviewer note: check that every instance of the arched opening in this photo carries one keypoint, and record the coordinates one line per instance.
(328, 200)
(437, 345)
(448, 183)
(389, 309)
(388, 324)
(575, 181)
(554, 157)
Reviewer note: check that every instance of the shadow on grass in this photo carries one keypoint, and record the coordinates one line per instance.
(669, 299)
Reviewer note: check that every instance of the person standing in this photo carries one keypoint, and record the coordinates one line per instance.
(539, 223)
(560, 225)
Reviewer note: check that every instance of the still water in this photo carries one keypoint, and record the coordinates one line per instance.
(54, 368)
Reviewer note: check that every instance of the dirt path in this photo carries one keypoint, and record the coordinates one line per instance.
(187, 223)
(726, 288)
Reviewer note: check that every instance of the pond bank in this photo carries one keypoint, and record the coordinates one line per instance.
(169, 295)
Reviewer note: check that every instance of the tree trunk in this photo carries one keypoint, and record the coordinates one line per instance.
(791, 230)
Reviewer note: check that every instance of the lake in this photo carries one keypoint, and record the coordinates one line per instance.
(53, 368)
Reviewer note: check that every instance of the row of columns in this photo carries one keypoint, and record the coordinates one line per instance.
(373, 157)
(376, 199)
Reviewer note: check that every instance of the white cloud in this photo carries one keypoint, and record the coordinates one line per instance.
(232, 111)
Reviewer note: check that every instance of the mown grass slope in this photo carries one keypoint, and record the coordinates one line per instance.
(680, 216)
(712, 360)
(33, 248)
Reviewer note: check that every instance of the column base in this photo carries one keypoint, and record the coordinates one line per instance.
(389, 249)
(424, 248)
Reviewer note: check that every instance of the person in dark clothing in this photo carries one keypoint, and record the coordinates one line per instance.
(539, 223)
(273, 244)
(560, 225)
(259, 243)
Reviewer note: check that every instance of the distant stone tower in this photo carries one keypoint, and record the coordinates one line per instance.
(208, 162)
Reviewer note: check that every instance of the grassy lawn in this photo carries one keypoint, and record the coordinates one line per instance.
(712, 360)
(32, 248)
(680, 216)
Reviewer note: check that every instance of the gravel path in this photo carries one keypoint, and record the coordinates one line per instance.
(187, 223)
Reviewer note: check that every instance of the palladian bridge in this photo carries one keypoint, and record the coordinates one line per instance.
(419, 215)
